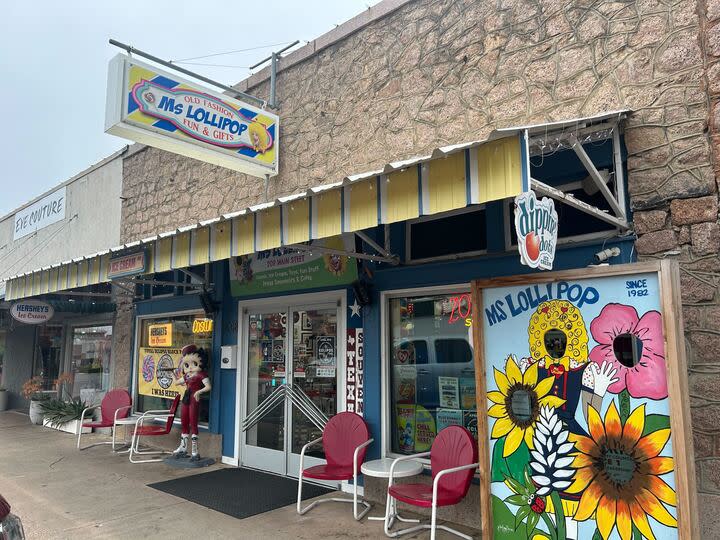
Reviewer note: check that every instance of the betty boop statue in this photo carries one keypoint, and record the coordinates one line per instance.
(193, 364)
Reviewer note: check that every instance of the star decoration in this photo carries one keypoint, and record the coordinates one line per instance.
(355, 309)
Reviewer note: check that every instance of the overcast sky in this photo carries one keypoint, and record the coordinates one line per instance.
(53, 68)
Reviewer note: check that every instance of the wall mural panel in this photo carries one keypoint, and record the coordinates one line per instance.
(579, 433)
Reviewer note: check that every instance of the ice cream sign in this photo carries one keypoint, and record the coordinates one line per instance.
(536, 225)
(163, 110)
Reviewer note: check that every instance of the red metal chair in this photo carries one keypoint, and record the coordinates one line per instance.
(152, 430)
(344, 440)
(113, 407)
(453, 460)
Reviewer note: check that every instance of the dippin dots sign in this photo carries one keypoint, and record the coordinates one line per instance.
(536, 224)
(32, 312)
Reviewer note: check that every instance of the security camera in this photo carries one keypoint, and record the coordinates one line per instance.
(605, 254)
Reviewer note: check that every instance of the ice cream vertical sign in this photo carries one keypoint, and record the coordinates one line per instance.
(536, 225)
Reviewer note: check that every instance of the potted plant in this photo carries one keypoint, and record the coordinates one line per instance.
(3, 398)
(64, 415)
(64, 412)
(32, 390)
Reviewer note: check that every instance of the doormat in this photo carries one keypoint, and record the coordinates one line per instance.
(239, 493)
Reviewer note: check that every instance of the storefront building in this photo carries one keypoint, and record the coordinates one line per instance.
(74, 343)
(343, 283)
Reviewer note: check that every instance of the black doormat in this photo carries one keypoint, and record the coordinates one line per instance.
(239, 493)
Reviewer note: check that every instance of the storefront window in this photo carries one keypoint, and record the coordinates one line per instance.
(91, 361)
(160, 341)
(431, 369)
(47, 355)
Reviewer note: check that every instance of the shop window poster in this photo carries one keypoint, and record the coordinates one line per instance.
(449, 392)
(578, 410)
(406, 427)
(424, 429)
(405, 382)
(449, 417)
(467, 393)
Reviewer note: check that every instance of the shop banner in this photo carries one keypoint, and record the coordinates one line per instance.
(354, 367)
(578, 411)
(158, 368)
(536, 226)
(127, 265)
(160, 109)
(280, 270)
(48, 210)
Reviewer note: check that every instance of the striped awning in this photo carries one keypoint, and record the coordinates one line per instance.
(450, 178)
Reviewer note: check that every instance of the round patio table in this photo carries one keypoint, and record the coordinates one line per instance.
(380, 468)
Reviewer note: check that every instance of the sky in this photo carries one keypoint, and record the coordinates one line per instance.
(53, 68)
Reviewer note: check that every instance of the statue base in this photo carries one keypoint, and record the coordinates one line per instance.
(187, 463)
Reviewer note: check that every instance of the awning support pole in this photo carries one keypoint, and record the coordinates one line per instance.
(369, 241)
(595, 175)
(544, 189)
(619, 172)
(193, 275)
(123, 287)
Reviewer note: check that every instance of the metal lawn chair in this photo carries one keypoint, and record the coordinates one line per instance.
(114, 406)
(152, 430)
(453, 461)
(345, 440)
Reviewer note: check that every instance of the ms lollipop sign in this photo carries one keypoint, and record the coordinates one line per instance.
(536, 225)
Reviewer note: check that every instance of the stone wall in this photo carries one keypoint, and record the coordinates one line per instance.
(437, 72)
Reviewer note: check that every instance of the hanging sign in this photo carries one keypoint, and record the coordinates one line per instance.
(536, 226)
(278, 270)
(160, 335)
(126, 265)
(32, 312)
(157, 373)
(163, 110)
(354, 367)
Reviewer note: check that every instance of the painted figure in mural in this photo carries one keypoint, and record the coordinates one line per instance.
(193, 364)
(559, 346)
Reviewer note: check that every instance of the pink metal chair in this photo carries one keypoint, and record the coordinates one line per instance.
(114, 406)
(152, 430)
(453, 460)
(345, 440)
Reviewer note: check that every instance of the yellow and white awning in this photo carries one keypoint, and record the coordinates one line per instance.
(451, 177)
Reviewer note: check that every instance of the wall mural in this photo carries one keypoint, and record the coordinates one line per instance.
(578, 410)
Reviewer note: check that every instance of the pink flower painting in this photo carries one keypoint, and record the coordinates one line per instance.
(647, 378)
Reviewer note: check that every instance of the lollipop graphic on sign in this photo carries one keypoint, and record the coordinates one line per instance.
(148, 368)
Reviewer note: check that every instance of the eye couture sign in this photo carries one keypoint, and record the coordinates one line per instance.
(44, 212)
(163, 110)
(536, 225)
(32, 312)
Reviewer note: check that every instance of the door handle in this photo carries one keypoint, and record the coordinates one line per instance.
(423, 372)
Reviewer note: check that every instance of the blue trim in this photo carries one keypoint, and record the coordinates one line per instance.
(468, 180)
(378, 179)
(420, 189)
(524, 161)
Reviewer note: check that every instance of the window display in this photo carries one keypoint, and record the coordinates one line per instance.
(431, 369)
(47, 355)
(158, 359)
(90, 365)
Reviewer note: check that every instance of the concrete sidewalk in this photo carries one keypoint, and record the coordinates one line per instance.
(61, 493)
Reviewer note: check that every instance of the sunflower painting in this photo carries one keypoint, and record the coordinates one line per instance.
(517, 402)
(578, 415)
(619, 473)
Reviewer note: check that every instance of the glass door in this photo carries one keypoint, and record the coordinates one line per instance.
(266, 370)
(291, 367)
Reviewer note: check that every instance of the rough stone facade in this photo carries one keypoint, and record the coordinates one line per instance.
(438, 72)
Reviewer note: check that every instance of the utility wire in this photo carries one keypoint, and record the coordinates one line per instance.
(182, 60)
(212, 65)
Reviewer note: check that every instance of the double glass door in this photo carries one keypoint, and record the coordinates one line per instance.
(290, 362)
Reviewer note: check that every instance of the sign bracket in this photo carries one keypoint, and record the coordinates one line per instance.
(236, 93)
